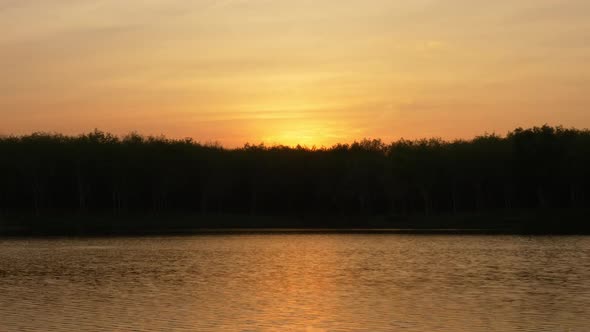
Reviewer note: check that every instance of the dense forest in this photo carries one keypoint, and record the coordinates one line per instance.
(538, 171)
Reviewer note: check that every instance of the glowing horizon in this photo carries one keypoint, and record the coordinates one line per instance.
(293, 72)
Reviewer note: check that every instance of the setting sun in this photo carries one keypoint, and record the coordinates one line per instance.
(302, 133)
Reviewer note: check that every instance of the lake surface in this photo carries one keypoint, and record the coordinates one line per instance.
(313, 282)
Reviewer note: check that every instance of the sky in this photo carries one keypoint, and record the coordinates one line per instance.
(310, 72)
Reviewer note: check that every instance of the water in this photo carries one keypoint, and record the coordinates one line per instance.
(296, 283)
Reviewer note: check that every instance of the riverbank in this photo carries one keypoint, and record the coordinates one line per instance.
(498, 222)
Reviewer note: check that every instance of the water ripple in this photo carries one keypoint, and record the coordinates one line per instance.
(296, 283)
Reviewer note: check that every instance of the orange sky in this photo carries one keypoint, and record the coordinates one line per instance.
(283, 71)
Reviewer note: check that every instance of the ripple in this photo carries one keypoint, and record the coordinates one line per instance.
(296, 283)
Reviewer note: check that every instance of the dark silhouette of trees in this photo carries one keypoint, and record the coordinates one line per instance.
(536, 170)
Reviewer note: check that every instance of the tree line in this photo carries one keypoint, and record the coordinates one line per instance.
(99, 173)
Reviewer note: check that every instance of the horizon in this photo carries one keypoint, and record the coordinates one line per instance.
(293, 73)
(295, 165)
(304, 146)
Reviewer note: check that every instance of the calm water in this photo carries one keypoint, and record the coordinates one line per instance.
(296, 283)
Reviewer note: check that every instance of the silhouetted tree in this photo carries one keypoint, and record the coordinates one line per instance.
(98, 173)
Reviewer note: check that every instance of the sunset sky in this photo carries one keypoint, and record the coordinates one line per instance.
(297, 71)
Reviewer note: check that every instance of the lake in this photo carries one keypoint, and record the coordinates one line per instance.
(296, 282)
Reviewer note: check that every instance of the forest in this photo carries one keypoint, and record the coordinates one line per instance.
(537, 176)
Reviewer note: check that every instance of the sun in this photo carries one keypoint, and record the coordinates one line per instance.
(299, 133)
(305, 118)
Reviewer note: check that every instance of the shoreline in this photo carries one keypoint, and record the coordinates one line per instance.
(524, 222)
(290, 231)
